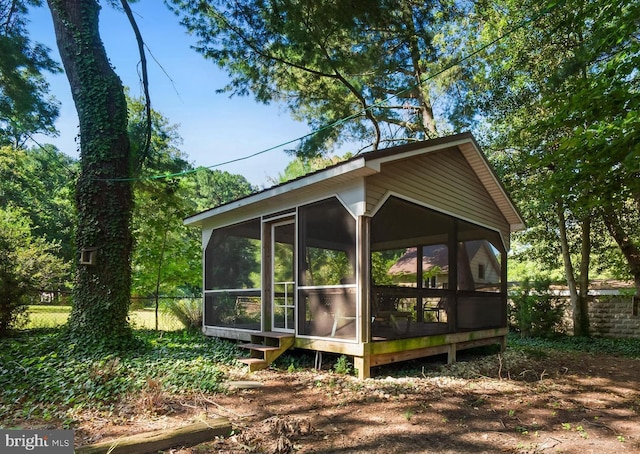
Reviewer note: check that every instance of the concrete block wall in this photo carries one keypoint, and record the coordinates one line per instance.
(612, 316)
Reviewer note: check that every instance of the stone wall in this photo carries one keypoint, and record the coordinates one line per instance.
(613, 316)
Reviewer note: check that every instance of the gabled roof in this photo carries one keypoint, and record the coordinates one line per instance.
(370, 163)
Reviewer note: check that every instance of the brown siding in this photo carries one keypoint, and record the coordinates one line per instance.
(442, 180)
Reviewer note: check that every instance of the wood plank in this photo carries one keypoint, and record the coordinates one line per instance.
(450, 349)
(251, 361)
(414, 343)
(227, 333)
(330, 346)
(272, 334)
(162, 440)
(258, 347)
(388, 358)
(480, 342)
(254, 363)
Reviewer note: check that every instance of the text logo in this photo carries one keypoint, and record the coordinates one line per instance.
(36, 441)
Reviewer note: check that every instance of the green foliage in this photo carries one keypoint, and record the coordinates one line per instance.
(559, 101)
(41, 374)
(215, 187)
(332, 63)
(40, 182)
(27, 264)
(535, 311)
(326, 266)
(343, 366)
(302, 166)
(25, 105)
(596, 345)
(293, 360)
(167, 254)
(187, 311)
(381, 262)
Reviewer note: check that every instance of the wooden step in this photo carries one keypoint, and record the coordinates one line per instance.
(254, 363)
(259, 347)
(265, 348)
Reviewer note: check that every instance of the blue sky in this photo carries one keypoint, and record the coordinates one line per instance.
(213, 127)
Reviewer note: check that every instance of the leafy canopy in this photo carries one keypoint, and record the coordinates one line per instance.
(353, 70)
(28, 265)
(25, 104)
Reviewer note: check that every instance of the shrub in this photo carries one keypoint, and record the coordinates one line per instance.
(187, 311)
(343, 366)
(535, 310)
(26, 265)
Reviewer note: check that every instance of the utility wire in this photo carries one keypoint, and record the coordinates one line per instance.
(551, 6)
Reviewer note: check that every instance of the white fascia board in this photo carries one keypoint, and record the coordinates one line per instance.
(353, 166)
(376, 162)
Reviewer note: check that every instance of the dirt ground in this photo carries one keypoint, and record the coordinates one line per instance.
(562, 403)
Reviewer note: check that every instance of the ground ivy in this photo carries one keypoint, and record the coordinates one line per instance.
(41, 374)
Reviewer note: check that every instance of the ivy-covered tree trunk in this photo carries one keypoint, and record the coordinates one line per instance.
(103, 194)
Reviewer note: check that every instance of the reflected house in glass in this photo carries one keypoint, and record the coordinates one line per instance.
(481, 266)
(392, 255)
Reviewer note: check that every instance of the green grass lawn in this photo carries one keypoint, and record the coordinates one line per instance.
(41, 316)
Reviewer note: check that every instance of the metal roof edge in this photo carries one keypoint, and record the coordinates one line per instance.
(369, 163)
(342, 168)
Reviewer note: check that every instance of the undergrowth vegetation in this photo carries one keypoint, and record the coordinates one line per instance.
(607, 346)
(43, 377)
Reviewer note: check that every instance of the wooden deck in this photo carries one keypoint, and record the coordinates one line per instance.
(431, 341)
(389, 345)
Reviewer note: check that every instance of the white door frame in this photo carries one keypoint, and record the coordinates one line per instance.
(290, 287)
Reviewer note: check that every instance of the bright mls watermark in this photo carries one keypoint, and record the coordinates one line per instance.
(36, 441)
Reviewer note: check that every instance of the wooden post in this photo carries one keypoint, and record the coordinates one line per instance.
(452, 291)
(419, 283)
(363, 365)
(451, 356)
(364, 278)
(266, 302)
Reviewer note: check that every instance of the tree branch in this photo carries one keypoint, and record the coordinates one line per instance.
(145, 82)
(255, 48)
(12, 10)
(366, 109)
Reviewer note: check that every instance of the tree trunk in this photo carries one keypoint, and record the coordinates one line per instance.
(578, 302)
(103, 193)
(426, 110)
(582, 327)
(630, 250)
(159, 275)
